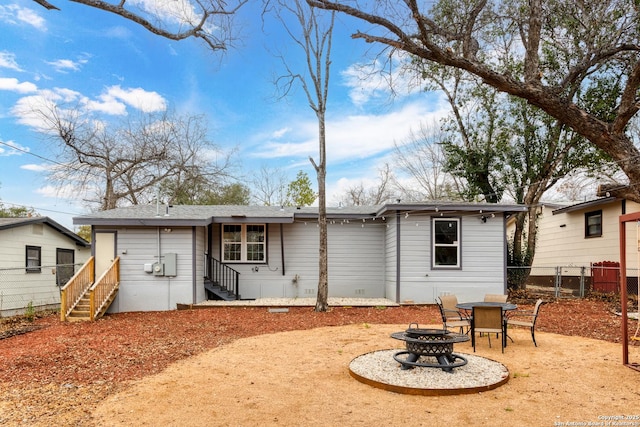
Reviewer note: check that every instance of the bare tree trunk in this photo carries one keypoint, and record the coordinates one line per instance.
(315, 41)
(322, 300)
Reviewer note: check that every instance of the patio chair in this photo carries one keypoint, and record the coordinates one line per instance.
(495, 298)
(452, 317)
(526, 318)
(488, 320)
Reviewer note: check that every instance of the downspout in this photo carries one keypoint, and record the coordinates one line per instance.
(282, 248)
(398, 256)
(159, 254)
(194, 264)
(505, 254)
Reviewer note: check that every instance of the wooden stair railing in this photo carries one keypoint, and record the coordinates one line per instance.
(103, 292)
(76, 287)
(95, 299)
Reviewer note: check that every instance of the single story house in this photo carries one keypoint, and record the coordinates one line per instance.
(37, 256)
(411, 253)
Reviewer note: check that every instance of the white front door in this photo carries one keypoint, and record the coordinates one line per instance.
(105, 250)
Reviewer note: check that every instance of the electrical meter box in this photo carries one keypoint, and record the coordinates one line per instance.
(158, 269)
(171, 264)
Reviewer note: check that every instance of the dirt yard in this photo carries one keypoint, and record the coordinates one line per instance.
(244, 366)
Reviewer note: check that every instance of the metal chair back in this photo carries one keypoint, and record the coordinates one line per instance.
(488, 320)
(495, 298)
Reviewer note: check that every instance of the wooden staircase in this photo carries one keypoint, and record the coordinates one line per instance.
(83, 299)
(82, 310)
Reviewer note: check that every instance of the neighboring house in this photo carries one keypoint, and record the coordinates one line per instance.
(583, 233)
(404, 252)
(37, 257)
(579, 235)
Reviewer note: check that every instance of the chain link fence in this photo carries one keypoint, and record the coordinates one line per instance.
(35, 286)
(572, 281)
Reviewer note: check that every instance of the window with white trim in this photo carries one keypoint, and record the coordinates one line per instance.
(446, 243)
(243, 243)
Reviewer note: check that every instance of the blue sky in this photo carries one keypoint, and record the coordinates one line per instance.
(118, 68)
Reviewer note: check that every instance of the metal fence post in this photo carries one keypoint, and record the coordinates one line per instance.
(558, 280)
(583, 270)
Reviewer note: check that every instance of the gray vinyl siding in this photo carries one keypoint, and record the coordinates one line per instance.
(199, 260)
(482, 260)
(141, 291)
(356, 262)
(365, 257)
(391, 259)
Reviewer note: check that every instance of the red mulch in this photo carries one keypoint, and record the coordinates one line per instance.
(127, 346)
(55, 373)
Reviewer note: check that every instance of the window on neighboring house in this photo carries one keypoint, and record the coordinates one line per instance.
(243, 243)
(446, 242)
(593, 224)
(33, 262)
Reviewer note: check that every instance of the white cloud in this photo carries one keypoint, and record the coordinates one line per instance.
(113, 101)
(8, 60)
(171, 11)
(137, 98)
(17, 15)
(377, 80)
(53, 192)
(280, 133)
(35, 168)
(106, 105)
(353, 137)
(14, 85)
(66, 65)
(118, 32)
(12, 148)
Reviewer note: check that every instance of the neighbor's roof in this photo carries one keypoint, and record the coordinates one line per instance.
(201, 215)
(586, 205)
(6, 223)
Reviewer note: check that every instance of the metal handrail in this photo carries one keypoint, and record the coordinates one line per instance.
(226, 277)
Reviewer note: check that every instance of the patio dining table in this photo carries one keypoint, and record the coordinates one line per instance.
(506, 306)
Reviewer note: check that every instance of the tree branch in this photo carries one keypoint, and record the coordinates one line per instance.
(629, 101)
(198, 30)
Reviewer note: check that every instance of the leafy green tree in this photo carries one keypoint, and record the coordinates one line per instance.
(229, 194)
(300, 192)
(499, 144)
(84, 231)
(198, 190)
(579, 62)
(16, 211)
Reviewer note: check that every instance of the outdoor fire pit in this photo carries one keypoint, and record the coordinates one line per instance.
(430, 344)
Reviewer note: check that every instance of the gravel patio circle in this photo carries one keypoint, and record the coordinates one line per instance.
(379, 369)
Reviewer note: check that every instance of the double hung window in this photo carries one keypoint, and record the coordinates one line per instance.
(593, 224)
(446, 242)
(244, 243)
(33, 259)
